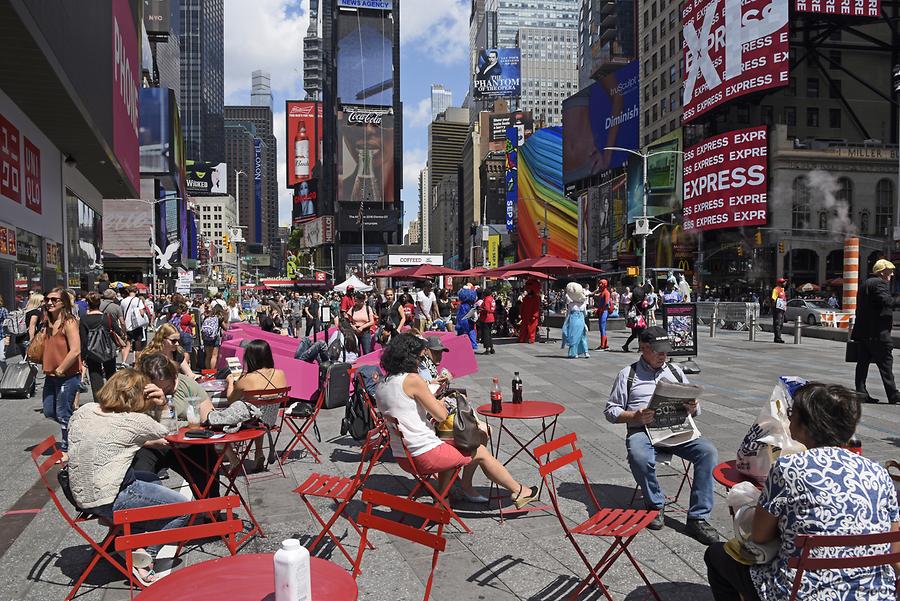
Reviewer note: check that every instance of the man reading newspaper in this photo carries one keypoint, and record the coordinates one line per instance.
(630, 403)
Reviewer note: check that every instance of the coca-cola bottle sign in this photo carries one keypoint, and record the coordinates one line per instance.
(364, 118)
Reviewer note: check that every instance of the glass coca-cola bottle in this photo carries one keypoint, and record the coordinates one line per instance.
(366, 187)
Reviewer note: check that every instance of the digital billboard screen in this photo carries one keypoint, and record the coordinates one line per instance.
(725, 181)
(732, 48)
(366, 156)
(844, 8)
(206, 178)
(498, 73)
(365, 51)
(605, 114)
(304, 141)
(305, 201)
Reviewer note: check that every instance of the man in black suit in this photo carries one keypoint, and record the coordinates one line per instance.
(872, 331)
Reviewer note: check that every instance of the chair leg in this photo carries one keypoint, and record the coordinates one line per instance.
(326, 529)
(641, 573)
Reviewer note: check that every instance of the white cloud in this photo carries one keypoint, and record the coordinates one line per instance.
(438, 28)
(419, 115)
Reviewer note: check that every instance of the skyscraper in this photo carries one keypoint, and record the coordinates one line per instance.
(261, 90)
(312, 54)
(203, 79)
(513, 15)
(441, 100)
(549, 71)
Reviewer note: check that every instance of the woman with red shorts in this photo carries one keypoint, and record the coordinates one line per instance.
(404, 396)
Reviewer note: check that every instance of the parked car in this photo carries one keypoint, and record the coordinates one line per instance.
(809, 311)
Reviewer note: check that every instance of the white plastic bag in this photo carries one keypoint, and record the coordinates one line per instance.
(770, 437)
(742, 500)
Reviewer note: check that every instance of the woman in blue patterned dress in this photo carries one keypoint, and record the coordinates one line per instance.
(823, 490)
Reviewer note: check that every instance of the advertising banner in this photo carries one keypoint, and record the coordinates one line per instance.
(365, 51)
(305, 199)
(680, 322)
(157, 16)
(845, 8)
(604, 222)
(156, 150)
(127, 227)
(604, 114)
(304, 141)
(10, 161)
(619, 198)
(591, 220)
(369, 4)
(7, 241)
(493, 251)
(126, 85)
(521, 120)
(511, 177)
(317, 232)
(664, 172)
(374, 220)
(408, 260)
(257, 190)
(732, 48)
(498, 74)
(366, 157)
(33, 177)
(206, 178)
(725, 181)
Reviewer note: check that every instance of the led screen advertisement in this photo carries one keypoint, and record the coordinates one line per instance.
(605, 114)
(304, 141)
(664, 175)
(365, 50)
(366, 156)
(305, 200)
(511, 176)
(498, 73)
(725, 181)
(844, 8)
(206, 178)
(732, 48)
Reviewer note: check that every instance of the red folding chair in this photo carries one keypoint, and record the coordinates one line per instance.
(622, 525)
(342, 490)
(429, 514)
(263, 399)
(422, 480)
(685, 474)
(226, 529)
(806, 543)
(299, 426)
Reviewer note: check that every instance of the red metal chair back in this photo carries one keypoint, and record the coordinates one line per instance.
(805, 543)
(299, 430)
(434, 541)
(547, 466)
(266, 397)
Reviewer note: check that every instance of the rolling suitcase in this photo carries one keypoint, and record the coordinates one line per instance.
(18, 380)
(334, 379)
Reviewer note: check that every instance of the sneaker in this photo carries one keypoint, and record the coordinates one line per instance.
(587, 355)
(702, 532)
(659, 522)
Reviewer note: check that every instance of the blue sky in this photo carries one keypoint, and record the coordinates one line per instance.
(268, 34)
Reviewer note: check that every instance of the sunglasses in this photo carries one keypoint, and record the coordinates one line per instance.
(173, 340)
(52, 300)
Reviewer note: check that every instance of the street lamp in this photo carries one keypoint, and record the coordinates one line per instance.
(237, 235)
(362, 238)
(152, 239)
(644, 230)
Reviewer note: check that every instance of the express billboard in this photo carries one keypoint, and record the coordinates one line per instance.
(732, 48)
(844, 8)
(304, 141)
(366, 156)
(725, 181)
(206, 178)
(498, 73)
(604, 114)
(365, 51)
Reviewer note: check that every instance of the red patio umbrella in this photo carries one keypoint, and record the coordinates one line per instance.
(546, 264)
(475, 272)
(523, 273)
(425, 271)
(388, 273)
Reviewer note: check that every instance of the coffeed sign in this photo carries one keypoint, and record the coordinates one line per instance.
(725, 181)
(732, 48)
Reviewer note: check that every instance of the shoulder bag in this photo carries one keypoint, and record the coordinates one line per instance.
(35, 352)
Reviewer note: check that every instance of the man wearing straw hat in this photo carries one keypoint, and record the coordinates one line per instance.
(872, 330)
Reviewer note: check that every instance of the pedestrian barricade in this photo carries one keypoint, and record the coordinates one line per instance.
(835, 319)
(731, 316)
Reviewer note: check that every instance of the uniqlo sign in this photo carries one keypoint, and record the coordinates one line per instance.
(32, 176)
(847, 8)
(732, 48)
(725, 181)
(10, 161)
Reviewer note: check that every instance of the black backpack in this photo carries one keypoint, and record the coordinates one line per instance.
(358, 419)
(100, 346)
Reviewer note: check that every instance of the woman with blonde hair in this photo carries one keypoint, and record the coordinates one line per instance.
(167, 341)
(106, 436)
(61, 360)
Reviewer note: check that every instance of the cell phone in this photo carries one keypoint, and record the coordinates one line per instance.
(198, 434)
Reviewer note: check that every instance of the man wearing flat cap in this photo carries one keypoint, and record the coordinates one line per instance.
(628, 404)
(872, 330)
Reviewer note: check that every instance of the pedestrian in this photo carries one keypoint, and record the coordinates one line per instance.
(362, 319)
(136, 319)
(426, 306)
(604, 310)
(98, 332)
(652, 303)
(486, 318)
(61, 360)
(779, 298)
(530, 312)
(574, 329)
(872, 331)
(465, 315)
(833, 302)
(211, 333)
(635, 315)
(295, 315)
(347, 302)
(614, 301)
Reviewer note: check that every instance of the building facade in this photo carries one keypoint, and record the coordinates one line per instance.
(662, 68)
(549, 71)
(441, 100)
(513, 15)
(425, 208)
(261, 89)
(203, 79)
(446, 138)
(216, 219)
(312, 54)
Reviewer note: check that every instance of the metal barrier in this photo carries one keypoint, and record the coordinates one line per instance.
(729, 316)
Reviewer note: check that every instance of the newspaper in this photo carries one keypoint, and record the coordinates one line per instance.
(672, 425)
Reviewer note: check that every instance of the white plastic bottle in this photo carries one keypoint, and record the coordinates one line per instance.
(292, 581)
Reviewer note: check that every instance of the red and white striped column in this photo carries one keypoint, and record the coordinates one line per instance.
(851, 275)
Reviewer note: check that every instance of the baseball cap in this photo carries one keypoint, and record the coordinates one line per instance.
(881, 265)
(781, 280)
(433, 343)
(657, 338)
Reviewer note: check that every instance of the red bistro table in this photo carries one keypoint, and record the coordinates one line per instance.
(545, 411)
(179, 439)
(728, 476)
(248, 577)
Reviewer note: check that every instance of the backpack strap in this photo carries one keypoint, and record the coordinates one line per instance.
(632, 376)
(675, 372)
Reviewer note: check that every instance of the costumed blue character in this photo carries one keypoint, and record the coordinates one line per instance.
(574, 330)
(464, 325)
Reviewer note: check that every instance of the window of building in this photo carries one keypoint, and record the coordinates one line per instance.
(823, 220)
(834, 89)
(653, 61)
(662, 106)
(662, 82)
(672, 74)
(845, 194)
(672, 47)
(812, 117)
(646, 118)
(792, 86)
(864, 222)
(646, 43)
(655, 113)
(812, 87)
(673, 100)
(884, 207)
(653, 37)
(743, 112)
(654, 87)
(790, 116)
(835, 56)
(646, 19)
(662, 54)
(653, 10)
(800, 204)
(834, 118)
(835, 35)
(767, 113)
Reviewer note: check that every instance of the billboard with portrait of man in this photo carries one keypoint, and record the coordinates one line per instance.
(497, 73)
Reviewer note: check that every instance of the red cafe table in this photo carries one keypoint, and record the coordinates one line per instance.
(545, 411)
(248, 577)
(218, 446)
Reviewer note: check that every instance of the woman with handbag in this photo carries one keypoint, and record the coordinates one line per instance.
(635, 315)
(99, 334)
(58, 348)
(405, 397)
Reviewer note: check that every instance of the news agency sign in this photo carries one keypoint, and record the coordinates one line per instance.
(369, 4)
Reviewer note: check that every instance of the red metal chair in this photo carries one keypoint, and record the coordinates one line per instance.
(805, 543)
(685, 474)
(262, 399)
(342, 490)
(429, 514)
(622, 525)
(299, 426)
(101, 548)
(422, 480)
(226, 529)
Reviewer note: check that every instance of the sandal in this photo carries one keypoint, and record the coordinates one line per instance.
(523, 500)
(151, 575)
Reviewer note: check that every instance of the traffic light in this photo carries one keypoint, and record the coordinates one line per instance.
(632, 271)
(226, 242)
(781, 247)
(757, 238)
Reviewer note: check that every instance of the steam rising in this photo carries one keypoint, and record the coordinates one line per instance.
(823, 188)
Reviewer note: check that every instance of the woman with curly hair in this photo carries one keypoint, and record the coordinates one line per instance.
(167, 341)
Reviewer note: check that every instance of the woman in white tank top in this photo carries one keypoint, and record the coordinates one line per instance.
(404, 396)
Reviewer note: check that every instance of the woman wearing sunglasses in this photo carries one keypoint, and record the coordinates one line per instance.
(61, 360)
(167, 341)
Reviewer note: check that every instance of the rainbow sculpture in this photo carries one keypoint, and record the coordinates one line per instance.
(540, 185)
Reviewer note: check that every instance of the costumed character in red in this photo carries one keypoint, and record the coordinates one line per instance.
(530, 311)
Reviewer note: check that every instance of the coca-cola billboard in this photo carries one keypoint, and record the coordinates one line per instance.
(725, 181)
(366, 156)
(844, 8)
(304, 141)
(732, 48)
